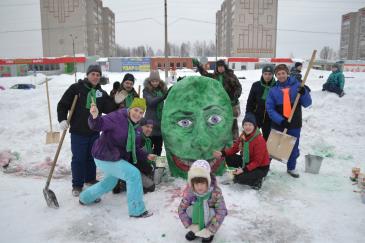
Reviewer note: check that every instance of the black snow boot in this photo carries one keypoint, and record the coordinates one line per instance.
(293, 173)
(95, 201)
(190, 236)
(120, 187)
(207, 240)
(145, 214)
(257, 185)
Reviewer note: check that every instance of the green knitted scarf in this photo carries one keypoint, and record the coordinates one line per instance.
(90, 96)
(267, 88)
(148, 147)
(131, 140)
(198, 210)
(158, 93)
(246, 148)
(129, 99)
(220, 78)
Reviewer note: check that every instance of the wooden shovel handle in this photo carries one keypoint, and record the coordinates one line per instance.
(61, 142)
(302, 85)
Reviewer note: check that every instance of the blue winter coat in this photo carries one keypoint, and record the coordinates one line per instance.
(111, 146)
(274, 103)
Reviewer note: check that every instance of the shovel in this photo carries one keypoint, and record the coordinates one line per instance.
(52, 137)
(49, 195)
(280, 144)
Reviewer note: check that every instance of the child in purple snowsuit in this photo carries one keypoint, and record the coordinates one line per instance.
(202, 208)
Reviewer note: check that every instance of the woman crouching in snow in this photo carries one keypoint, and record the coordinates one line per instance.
(253, 164)
(119, 143)
(202, 209)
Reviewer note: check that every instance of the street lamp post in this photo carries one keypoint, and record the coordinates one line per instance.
(73, 49)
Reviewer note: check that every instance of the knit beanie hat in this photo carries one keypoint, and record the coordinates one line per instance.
(336, 65)
(297, 64)
(93, 68)
(138, 102)
(281, 67)
(154, 75)
(128, 77)
(200, 168)
(268, 69)
(144, 122)
(220, 63)
(250, 117)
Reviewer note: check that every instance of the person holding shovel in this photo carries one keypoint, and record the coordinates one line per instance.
(119, 142)
(279, 104)
(155, 92)
(82, 137)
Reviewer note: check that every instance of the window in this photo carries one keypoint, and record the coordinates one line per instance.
(242, 18)
(243, 67)
(269, 19)
(178, 65)
(246, 4)
(159, 65)
(233, 65)
(184, 64)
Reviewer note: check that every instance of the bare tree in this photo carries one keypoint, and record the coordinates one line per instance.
(185, 49)
(150, 52)
(326, 53)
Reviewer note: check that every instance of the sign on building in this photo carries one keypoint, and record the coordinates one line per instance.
(136, 64)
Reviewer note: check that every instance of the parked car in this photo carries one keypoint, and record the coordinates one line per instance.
(23, 86)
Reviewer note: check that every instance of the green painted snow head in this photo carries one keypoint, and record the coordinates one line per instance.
(196, 120)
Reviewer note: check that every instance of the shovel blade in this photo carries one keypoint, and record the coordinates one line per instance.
(280, 145)
(52, 137)
(51, 199)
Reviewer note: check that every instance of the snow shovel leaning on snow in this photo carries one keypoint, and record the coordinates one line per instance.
(280, 144)
(51, 137)
(49, 194)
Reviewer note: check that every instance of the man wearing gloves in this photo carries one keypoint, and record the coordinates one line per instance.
(88, 90)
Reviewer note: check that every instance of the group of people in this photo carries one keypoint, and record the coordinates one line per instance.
(131, 139)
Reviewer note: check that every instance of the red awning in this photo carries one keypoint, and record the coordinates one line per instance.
(43, 60)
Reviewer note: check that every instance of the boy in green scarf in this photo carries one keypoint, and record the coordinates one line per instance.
(253, 163)
(202, 208)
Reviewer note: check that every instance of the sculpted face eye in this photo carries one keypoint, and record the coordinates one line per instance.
(214, 119)
(185, 123)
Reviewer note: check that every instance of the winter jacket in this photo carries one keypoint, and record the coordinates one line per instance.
(337, 78)
(230, 82)
(256, 104)
(152, 102)
(79, 118)
(294, 72)
(111, 146)
(259, 156)
(274, 103)
(215, 202)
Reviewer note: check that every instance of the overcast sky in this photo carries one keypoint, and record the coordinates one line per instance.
(296, 20)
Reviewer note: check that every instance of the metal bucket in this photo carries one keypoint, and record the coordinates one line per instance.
(313, 163)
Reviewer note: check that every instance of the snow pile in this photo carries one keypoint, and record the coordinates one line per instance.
(314, 208)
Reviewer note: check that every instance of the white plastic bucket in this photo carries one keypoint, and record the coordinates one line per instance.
(313, 163)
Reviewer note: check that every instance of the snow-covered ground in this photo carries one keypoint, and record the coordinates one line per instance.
(314, 208)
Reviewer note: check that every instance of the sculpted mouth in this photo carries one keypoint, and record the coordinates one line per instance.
(184, 164)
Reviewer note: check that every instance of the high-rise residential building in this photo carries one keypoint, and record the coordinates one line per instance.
(352, 42)
(247, 28)
(84, 23)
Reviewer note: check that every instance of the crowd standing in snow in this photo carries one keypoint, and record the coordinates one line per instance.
(127, 147)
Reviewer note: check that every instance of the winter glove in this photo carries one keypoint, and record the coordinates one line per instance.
(120, 96)
(204, 233)
(63, 125)
(285, 123)
(194, 228)
(301, 90)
